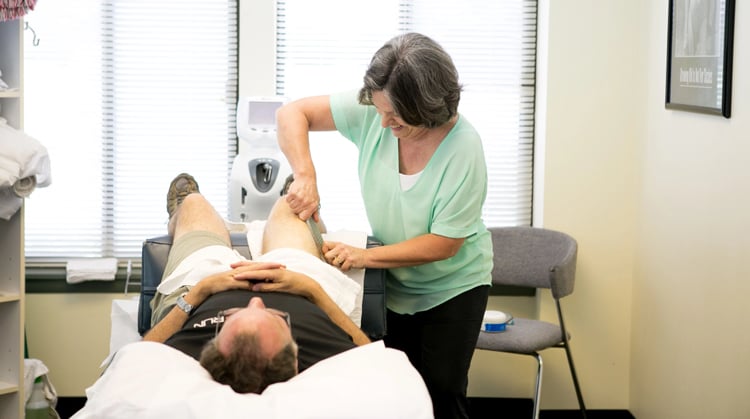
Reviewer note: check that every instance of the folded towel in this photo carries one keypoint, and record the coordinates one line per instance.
(342, 289)
(356, 239)
(254, 232)
(24, 186)
(22, 156)
(198, 265)
(10, 197)
(24, 166)
(102, 269)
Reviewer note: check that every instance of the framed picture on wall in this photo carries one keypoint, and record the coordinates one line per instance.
(699, 56)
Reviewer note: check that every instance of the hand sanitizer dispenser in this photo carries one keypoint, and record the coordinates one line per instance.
(260, 168)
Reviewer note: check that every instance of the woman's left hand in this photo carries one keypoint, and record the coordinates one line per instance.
(343, 256)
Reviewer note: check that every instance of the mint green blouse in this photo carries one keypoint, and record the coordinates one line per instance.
(446, 200)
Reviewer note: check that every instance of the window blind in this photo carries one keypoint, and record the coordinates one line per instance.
(126, 95)
(325, 46)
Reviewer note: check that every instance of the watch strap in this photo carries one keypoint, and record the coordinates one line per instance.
(184, 305)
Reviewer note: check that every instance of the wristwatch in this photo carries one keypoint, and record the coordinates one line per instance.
(184, 305)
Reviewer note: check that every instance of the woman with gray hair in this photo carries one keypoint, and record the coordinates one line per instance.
(424, 180)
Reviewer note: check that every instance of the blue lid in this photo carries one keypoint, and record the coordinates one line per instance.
(493, 327)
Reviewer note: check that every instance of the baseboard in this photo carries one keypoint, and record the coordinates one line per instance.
(511, 408)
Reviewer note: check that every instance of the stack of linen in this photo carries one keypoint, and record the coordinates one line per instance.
(24, 166)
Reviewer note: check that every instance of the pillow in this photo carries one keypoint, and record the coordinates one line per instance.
(152, 380)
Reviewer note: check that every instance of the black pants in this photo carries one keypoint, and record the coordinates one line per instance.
(440, 343)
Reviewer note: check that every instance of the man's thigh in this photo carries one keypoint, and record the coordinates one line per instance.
(284, 229)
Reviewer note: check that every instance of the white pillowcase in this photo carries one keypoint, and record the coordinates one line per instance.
(152, 380)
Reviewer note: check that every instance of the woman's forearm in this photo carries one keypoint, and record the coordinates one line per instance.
(416, 251)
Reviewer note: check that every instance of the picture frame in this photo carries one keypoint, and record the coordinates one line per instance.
(700, 39)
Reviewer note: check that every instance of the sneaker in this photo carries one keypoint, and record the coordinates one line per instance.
(181, 186)
(288, 182)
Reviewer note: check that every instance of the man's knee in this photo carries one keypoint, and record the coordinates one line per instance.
(281, 211)
(285, 229)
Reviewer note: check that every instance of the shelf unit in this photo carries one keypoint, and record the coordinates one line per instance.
(12, 274)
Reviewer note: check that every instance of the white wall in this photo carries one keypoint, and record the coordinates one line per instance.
(591, 110)
(70, 334)
(690, 350)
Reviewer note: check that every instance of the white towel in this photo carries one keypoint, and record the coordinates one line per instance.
(198, 265)
(33, 369)
(24, 186)
(254, 232)
(22, 156)
(11, 196)
(356, 239)
(124, 326)
(24, 165)
(101, 269)
(342, 290)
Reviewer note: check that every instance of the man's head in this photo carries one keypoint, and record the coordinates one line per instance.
(253, 348)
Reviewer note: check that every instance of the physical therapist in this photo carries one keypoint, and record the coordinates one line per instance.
(424, 180)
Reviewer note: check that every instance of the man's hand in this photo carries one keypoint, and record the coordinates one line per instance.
(229, 280)
(281, 280)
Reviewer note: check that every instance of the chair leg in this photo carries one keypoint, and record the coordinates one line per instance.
(566, 346)
(538, 390)
(575, 380)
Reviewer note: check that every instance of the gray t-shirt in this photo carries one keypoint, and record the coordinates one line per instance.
(316, 335)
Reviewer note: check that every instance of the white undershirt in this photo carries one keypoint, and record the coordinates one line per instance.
(407, 181)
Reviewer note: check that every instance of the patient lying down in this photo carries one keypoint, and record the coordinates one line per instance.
(250, 324)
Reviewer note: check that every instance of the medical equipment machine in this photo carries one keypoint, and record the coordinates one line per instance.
(260, 169)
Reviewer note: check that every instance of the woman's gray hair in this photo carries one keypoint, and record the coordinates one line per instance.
(418, 77)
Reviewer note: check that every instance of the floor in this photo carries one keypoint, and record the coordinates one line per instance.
(481, 408)
(496, 408)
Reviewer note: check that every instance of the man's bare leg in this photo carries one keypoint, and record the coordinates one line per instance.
(285, 229)
(195, 213)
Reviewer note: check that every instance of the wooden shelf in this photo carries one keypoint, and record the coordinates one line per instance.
(14, 93)
(8, 388)
(4, 298)
(12, 270)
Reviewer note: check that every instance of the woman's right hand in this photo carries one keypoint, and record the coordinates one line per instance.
(303, 198)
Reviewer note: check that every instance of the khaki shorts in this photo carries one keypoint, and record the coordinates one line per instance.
(191, 242)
